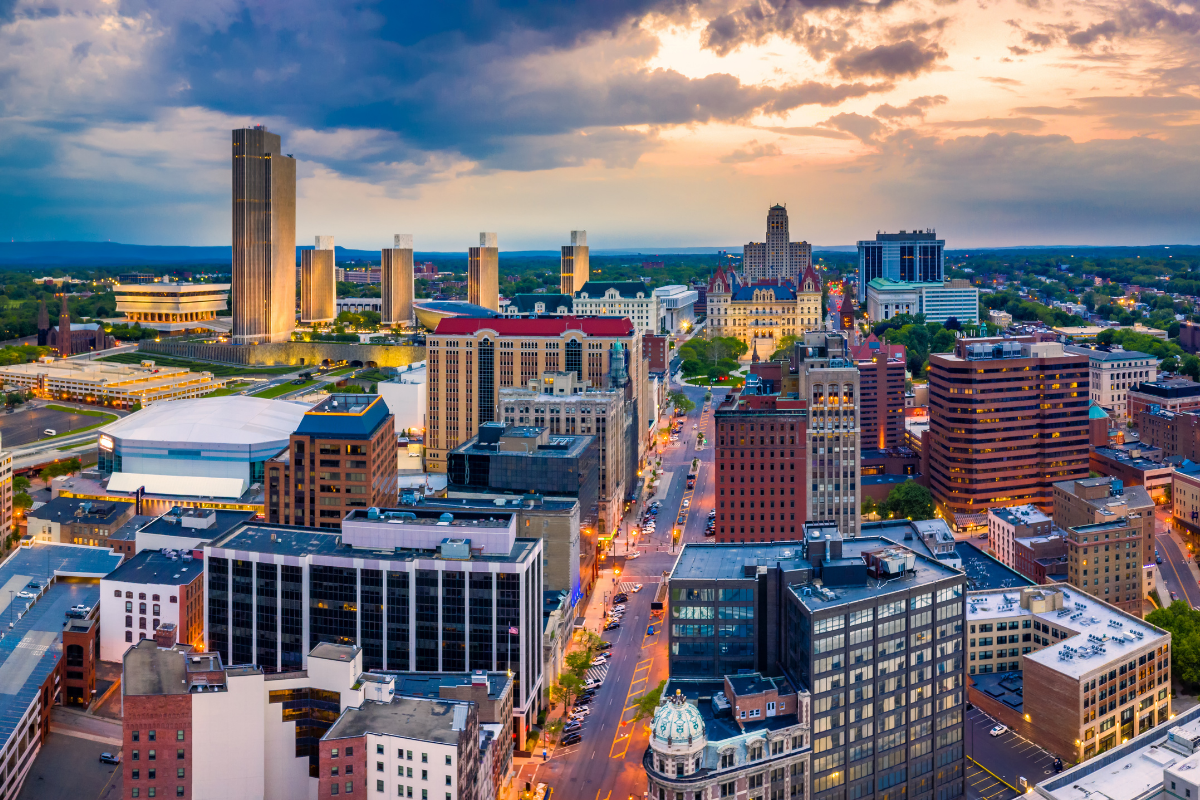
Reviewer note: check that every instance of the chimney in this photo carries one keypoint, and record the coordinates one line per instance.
(164, 635)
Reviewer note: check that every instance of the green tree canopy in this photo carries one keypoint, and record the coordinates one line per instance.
(1183, 622)
(681, 401)
(910, 499)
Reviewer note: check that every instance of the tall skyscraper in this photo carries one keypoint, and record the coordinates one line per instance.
(483, 273)
(1008, 418)
(264, 238)
(907, 256)
(64, 329)
(777, 257)
(43, 324)
(396, 280)
(318, 292)
(574, 264)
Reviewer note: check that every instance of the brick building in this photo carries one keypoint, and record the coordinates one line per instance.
(1060, 685)
(1168, 395)
(1042, 559)
(1134, 464)
(471, 359)
(70, 520)
(1177, 433)
(881, 369)
(341, 457)
(1008, 418)
(657, 349)
(772, 424)
(1006, 525)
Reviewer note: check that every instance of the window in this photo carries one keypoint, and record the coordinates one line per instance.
(378, 749)
(379, 786)
(449, 761)
(179, 754)
(136, 735)
(333, 788)
(379, 764)
(150, 755)
(179, 736)
(424, 758)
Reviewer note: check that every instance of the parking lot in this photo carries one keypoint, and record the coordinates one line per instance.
(69, 768)
(983, 786)
(1008, 757)
(24, 427)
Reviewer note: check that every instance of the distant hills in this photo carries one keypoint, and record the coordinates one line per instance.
(115, 254)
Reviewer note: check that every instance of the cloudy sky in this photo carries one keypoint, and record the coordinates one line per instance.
(676, 122)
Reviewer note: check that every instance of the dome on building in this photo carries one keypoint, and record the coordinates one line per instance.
(677, 727)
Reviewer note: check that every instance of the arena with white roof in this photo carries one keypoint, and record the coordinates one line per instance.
(210, 446)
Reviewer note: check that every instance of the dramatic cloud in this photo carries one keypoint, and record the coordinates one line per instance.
(915, 108)
(752, 152)
(115, 116)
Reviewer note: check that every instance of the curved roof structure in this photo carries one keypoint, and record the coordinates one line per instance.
(677, 725)
(234, 420)
(431, 312)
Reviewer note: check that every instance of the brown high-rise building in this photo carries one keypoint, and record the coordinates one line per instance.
(881, 387)
(264, 238)
(341, 457)
(396, 281)
(1008, 418)
(472, 358)
(1103, 513)
(574, 264)
(483, 273)
(64, 330)
(318, 292)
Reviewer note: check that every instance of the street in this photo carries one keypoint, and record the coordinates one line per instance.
(607, 764)
(1176, 568)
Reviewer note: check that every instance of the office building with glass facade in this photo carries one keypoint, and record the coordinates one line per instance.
(906, 257)
(417, 589)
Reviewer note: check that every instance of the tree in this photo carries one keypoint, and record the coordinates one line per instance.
(649, 702)
(13, 399)
(1169, 364)
(21, 483)
(869, 506)
(569, 687)
(1190, 366)
(1106, 336)
(1183, 622)
(22, 500)
(715, 374)
(681, 401)
(952, 324)
(910, 499)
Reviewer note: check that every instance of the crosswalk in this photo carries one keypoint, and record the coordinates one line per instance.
(627, 586)
(596, 674)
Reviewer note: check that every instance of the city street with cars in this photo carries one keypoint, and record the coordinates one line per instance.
(603, 759)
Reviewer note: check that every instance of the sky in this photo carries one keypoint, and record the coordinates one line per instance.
(648, 123)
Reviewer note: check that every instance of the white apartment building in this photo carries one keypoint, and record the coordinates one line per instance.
(1114, 374)
(632, 299)
(677, 305)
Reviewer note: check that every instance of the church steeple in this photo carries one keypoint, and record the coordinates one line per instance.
(64, 329)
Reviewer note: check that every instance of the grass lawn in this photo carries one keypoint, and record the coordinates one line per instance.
(86, 412)
(283, 388)
(232, 388)
(219, 370)
(343, 371)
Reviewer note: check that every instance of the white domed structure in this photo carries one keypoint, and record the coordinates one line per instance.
(678, 728)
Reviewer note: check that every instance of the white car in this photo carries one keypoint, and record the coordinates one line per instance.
(999, 730)
(633, 555)
(637, 587)
(687, 503)
(26, 595)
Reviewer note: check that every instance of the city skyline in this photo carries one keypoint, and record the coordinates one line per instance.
(1012, 124)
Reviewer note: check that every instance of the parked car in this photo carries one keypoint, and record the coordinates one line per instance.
(999, 730)
(612, 626)
(109, 758)
(571, 740)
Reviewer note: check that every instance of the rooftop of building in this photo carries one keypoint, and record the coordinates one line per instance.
(548, 326)
(194, 522)
(1020, 515)
(780, 292)
(235, 419)
(889, 285)
(1168, 389)
(1135, 462)
(98, 372)
(299, 542)
(985, 571)
(152, 670)
(719, 561)
(171, 287)
(1099, 632)
(345, 416)
(155, 567)
(466, 497)
(69, 510)
(627, 290)
(556, 446)
(720, 725)
(1129, 498)
(1133, 770)
(1104, 355)
(527, 303)
(128, 532)
(122, 487)
(31, 649)
(424, 719)
(903, 236)
(429, 684)
(919, 570)
(334, 652)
